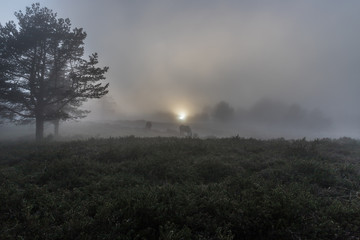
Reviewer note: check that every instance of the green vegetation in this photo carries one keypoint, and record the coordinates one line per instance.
(173, 188)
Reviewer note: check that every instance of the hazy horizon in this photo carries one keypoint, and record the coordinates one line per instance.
(172, 57)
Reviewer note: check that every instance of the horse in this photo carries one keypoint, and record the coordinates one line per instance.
(185, 131)
(148, 125)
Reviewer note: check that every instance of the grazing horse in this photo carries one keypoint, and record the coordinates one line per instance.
(148, 125)
(185, 131)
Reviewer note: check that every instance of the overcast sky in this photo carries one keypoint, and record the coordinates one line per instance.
(184, 55)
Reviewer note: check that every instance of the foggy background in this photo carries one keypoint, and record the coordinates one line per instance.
(253, 68)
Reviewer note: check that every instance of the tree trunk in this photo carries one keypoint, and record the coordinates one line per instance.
(56, 128)
(39, 128)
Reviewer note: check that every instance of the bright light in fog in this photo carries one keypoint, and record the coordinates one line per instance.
(182, 116)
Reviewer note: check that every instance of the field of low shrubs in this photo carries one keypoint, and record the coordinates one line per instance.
(180, 188)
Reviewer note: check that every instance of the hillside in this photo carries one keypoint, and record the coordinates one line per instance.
(179, 188)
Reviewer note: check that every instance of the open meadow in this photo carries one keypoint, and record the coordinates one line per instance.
(180, 188)
(179, 120)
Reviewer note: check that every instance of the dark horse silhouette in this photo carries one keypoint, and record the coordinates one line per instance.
(148, 125)
(185, 131)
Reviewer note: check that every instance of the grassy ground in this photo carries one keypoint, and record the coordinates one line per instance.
(172, 188)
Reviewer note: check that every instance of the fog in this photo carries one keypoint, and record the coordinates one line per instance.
(283, 69)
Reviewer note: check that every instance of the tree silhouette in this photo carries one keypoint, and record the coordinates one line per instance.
(223, 112)
(43, 75)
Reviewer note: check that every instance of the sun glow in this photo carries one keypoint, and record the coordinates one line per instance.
(182, 116)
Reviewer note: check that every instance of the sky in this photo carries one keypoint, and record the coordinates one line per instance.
(173, 56)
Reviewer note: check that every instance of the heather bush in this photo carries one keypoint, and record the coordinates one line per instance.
(172, 188)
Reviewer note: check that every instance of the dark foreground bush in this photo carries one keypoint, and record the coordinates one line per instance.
(169, 188)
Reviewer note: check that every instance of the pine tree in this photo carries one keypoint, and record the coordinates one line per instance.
(43, 75)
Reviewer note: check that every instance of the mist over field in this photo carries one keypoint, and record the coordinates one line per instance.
(283, 69)
(265, 120)
(172, 119)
